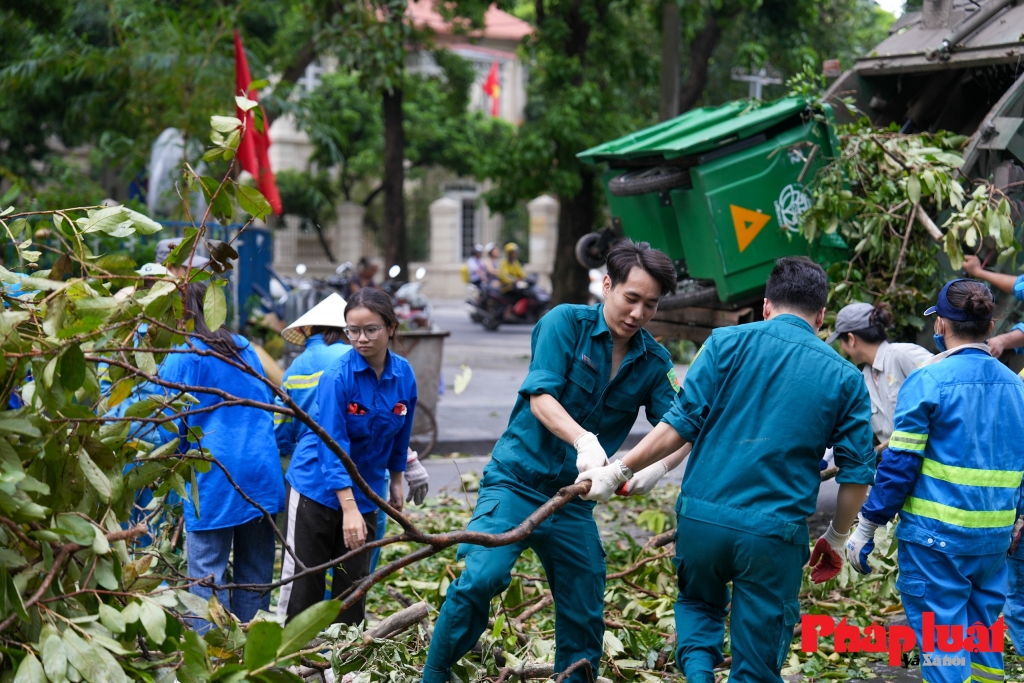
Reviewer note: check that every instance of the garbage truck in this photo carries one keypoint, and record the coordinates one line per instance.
(721, 189)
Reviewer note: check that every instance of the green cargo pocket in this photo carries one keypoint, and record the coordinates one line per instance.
(485, 520)
(790, 618)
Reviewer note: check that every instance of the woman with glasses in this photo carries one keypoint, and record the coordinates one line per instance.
(366, 400)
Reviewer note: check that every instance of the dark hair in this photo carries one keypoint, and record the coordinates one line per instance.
(974, 299)
(220, 340)
(331, 335)
(799, 283)
(625, 255)
(880, 320)
(375, 301)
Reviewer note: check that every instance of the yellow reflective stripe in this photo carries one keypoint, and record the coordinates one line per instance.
(983, 677)
(908, 441)
(697, 355)
(303, 381)
(988, 669)
(1004, 479)
(281, 419)
(972, 519)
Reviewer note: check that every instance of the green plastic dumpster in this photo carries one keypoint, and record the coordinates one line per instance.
(721, 188)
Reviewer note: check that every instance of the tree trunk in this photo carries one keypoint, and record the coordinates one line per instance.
(395, 244)
(576, 217)
(701, 49)
(670, 38)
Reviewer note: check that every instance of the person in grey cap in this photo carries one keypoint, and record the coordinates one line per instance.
(861, 331)
(164, 249)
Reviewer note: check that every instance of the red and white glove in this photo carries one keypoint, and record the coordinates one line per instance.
(644, 481)
(827, 556)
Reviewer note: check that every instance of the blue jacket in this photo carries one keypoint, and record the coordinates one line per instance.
(240, 437)
(572, 362)
(954, 463)
(377, 439)
(300, 382)
(761, 403)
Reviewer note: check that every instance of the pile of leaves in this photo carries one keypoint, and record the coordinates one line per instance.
(899, 202)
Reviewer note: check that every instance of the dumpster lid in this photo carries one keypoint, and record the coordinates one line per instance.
(698, 130)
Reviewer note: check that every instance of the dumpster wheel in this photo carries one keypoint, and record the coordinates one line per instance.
(647, 180)
(588, 253)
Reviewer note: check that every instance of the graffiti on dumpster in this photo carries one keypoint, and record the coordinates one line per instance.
(748, 224)
(790, 205)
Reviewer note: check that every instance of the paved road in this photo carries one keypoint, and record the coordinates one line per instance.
(471, 422)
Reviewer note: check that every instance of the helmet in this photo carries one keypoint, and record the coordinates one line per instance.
(478, 248)
(511, 246)
(489, 247)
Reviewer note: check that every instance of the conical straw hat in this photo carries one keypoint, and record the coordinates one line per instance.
(328, 313)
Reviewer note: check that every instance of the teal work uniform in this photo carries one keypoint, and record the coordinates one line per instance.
(572, 360)
(761, 403)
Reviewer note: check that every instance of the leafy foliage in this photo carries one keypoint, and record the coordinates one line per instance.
(879, 195)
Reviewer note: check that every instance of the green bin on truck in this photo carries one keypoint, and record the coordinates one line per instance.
(719, 189)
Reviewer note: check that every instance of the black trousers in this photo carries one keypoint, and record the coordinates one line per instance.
(315, 533)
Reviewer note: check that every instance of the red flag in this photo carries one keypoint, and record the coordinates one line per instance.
(252, 151)
(493, 88)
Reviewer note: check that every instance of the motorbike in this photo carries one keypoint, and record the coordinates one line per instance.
(412, 306)
(524, 304)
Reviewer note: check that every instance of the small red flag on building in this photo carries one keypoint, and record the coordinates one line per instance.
(252, 150)
(493, 88)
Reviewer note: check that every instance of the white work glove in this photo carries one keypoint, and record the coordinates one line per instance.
(589, 453)
(417, 478)
(644, 481)
(604, 481)
(861, 545)
(827, 556)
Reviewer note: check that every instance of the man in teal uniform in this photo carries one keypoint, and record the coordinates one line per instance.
(592, 369)
(760, 404)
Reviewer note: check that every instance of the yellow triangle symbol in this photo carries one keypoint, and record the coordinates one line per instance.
(747, 223)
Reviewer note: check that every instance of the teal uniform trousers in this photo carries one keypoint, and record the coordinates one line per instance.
(572, 361)
(568, 546)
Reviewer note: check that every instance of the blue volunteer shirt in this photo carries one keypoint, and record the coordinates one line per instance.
(300, 383)
(365, 416)
(572, 361)
(761, 402)
(953, 467)
(240, 437)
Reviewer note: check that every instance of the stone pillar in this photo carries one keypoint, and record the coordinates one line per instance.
(445, 233)
(543, 213)
(286, 244)
(348, 233)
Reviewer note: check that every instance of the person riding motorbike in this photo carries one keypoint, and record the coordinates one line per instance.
(475, 268)
(510, 270)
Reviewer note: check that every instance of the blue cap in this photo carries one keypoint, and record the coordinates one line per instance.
(948, 311)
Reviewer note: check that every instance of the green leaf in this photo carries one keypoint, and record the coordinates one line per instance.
(245, 104)
(17, 226)
(55, 660)
(253, 202)
(215, 308)
(18, 425)
(914, 189)
(154, 620)
(224, 124)
(195, 491)
(100, 544)
(146, 362)
(14, 595)
(95, 476)
(261, 643)
(30, 671)
(72, 368)
(304, 627)
(255, 85)
(112, 618)
(143, 408)
(181, 252)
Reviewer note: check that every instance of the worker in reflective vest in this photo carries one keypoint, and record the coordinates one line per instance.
(953, 473)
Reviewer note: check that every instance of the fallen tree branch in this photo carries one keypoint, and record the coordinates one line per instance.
(397, 622)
